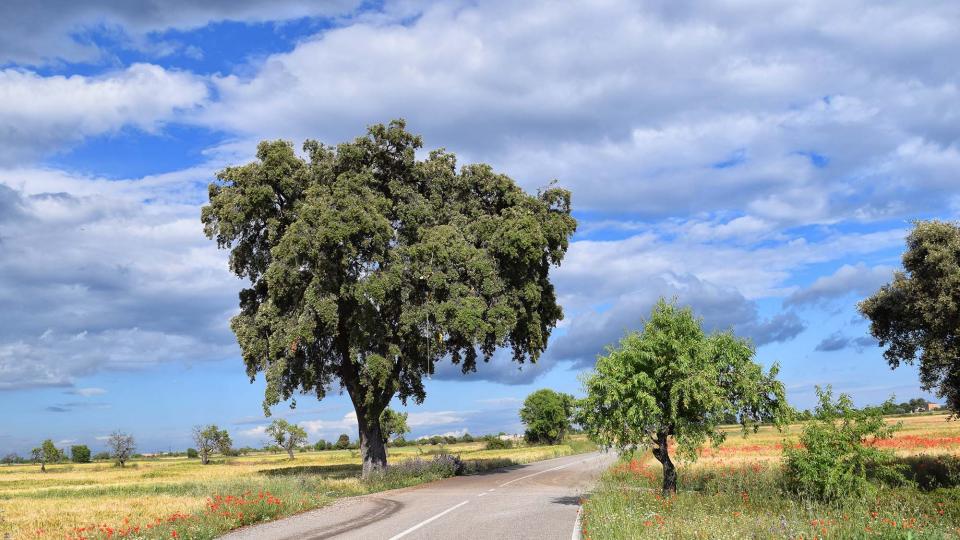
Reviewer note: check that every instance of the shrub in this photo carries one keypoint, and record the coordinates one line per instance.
(836, 458)
(192, 453)
(101, 456)
(80, 454)
(498, 444)
(439, 466)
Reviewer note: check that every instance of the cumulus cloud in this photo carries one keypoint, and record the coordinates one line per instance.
(826, 122)
(858, 279)
(38, 32)
(93, 277)
(41, 114)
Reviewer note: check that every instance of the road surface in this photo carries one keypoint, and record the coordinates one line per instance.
(537, 501)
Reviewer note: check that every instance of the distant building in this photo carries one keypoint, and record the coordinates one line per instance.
(933, 406)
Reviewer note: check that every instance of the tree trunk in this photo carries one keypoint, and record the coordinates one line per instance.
(662, 453)
(43, 467)
(372, 449)
(290, 452)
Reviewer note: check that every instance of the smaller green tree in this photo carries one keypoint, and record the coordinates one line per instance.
(80, 453)
(836, 457)
(210, 439)
(393, 423)
(547, 416)
(321, 445)
(343, 442)
(121, 447)
(47, 452)
(192, 453)
(287, 436)
(673, 381)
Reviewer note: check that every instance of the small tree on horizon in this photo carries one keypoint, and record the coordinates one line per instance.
(393, 423)
(80, 453)
(47, 452)
(343, 442)
(672, 381)
(210, 439)
(121, 447)
(287, 436)
(547, 414)
(917, 315)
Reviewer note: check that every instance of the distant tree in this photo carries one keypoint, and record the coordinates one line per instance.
(80, 453)
(47, 452)
(673, 381)
(287, 436)
(466, 437)
(343, 442)
(917, 315)
(192, 453)
(369, 266)
(121, 447)
(210, 439)
(11, 458)
(547, 416)
(393, 423)
(321, 445)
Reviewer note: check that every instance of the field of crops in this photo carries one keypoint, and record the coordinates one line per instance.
(736, 491)
(179, 497)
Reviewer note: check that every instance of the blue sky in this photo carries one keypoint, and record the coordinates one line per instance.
(760, 161)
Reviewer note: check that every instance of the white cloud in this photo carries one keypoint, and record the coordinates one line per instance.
(858, 279)
(87, 392)
(40, 114)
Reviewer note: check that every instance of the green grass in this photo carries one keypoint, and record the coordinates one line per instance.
(746, 500)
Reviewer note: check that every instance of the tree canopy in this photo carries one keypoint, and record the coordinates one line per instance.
(287, 436)
(367, 266)
(917, 315)
(674, 381)
(547, 416)
(210, 439)
(393, 423)
(121, 446)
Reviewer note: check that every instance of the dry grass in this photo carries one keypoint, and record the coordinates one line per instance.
(69, 497)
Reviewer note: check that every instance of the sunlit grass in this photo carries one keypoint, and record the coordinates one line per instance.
(735, 491)
(99, 500)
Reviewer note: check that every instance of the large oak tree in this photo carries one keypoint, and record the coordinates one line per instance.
(367, 266)
(917, 315)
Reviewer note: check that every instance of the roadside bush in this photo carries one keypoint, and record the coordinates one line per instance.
(498, 444)
(836, 458)
(419, 469)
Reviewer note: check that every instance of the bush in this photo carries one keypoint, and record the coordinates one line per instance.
(192, 453)
(498, 444)
(439, 466)
(80, 454)
(101, 456)
(835, 458)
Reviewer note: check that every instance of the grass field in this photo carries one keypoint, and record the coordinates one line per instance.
(735, 491)
(179, 498)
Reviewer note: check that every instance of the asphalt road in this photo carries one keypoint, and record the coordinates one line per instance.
(538, 501)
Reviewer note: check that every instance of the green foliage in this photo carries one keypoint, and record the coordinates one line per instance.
(393, 423)
(287, 436)
(674, 381)
(917, 315)
(496, 443)
(47, 452)
(192, 453)
(80, 453)
(322, 445)
(210, 439)
(368, 266)
(343, 442)
(547, 416)
(835, 458)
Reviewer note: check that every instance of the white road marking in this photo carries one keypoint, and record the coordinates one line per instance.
(491, 489)
(536, 473)
(481, 495)
(424, 522)
(576, 525)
